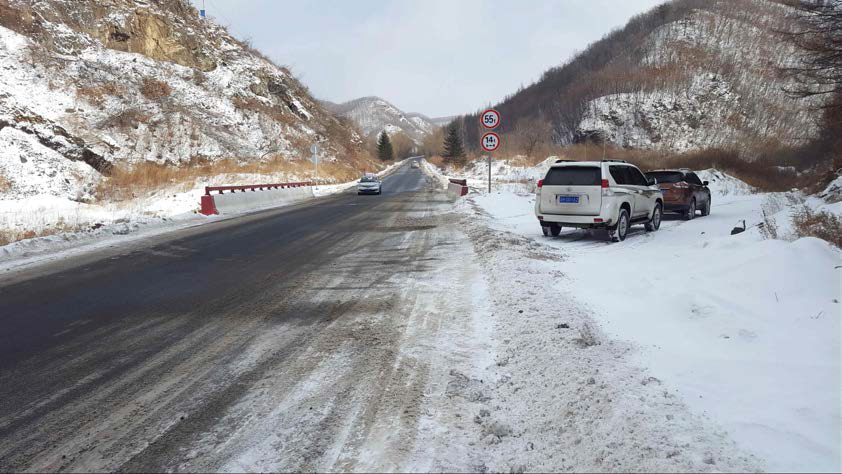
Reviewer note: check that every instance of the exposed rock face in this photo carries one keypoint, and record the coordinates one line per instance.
(126, 81)
(150, 35)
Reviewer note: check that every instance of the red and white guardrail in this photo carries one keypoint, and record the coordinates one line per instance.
(209, 203)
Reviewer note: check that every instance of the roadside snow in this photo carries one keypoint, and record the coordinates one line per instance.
(746, 330)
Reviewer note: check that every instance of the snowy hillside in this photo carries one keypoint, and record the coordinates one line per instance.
(723, 87)
(374, 115)
(86, 88)
(683, 76)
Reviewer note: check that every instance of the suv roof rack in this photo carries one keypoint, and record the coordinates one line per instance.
(615, 161)
(565, 161)
(684, 169)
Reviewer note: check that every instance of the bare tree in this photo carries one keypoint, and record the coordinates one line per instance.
(818, 33)
(532, 132)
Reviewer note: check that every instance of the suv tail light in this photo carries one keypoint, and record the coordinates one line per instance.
(605, 190)
(540, 182)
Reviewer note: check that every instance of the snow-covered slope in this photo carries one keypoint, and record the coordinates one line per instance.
(374, 115)
(86, 86)
(684, 76)
(721, 84)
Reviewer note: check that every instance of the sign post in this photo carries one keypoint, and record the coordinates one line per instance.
(314, 149)
(490, 141)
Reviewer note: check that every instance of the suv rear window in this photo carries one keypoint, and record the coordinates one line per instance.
(666, 177)
(574, 176)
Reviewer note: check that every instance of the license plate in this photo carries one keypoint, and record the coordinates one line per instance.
(664, 191)
(568, 199)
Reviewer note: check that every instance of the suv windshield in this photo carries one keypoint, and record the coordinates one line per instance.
(574, 176)
(368, 179)
(666, 177)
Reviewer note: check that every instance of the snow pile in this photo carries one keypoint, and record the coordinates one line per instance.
(723, 184)
(745, 329)
(562, 396)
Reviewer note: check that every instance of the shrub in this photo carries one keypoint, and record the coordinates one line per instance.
(154, 89)
(5, 184)
(821, 224)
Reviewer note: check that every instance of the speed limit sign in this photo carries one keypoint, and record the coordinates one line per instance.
(490, 119)
(490, 141)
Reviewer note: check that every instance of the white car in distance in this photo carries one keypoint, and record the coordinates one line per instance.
(369, 184)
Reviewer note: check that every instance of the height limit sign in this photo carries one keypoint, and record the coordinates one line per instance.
(489, 141)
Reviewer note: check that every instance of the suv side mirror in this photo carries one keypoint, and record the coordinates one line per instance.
(704, 183)
(651, 181)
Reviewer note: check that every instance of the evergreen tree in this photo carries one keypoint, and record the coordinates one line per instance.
(454, 152)
(384, 147)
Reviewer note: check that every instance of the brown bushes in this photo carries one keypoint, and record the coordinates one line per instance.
(125, 119)
(154, 89)
(95, 94)
(824, 225)
(5, 184)
(127, 182)
(275, 113)
(8, 236)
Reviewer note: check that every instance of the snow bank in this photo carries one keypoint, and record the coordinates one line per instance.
(746, 329)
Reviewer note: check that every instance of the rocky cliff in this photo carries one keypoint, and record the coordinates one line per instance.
(87, 85)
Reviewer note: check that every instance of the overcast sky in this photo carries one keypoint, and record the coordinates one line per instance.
(436, 57)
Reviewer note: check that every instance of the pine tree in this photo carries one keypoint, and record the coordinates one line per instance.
(384, 147)
(454, 153)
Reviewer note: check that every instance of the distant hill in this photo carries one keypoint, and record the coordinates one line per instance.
(373, 115)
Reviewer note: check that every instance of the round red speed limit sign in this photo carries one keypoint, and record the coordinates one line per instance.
(490, 141)
(490, 118)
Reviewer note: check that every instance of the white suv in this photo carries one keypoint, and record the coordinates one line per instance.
(608, 194)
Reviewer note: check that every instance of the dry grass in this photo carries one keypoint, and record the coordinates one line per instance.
(96, 94)
(125, 119)
(153, 89)
(275, 113)
(824, 225)
(128, 182)
(5, 184)
(761, 174)
(8, 236)
(436, 160)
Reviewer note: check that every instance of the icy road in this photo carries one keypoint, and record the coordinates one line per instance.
(303, 338)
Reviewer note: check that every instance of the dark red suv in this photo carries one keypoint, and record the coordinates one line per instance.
(683, 192)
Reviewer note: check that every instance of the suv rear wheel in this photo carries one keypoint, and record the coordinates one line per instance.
(618, 234)
(553, 229)
(691, 211)
(655, 223)
(706, 208)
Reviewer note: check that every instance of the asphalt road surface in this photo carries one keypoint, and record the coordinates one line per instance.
(294, 339)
